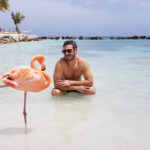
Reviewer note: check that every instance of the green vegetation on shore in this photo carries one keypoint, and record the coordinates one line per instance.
(96, 38)
(4, 5)
(10, 37)
(17, 18)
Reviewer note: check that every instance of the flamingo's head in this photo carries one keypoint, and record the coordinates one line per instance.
(41, 60)
(43, 67)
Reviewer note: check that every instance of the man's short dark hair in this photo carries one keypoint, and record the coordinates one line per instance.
(71, 42)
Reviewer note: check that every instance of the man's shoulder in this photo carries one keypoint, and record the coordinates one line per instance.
(82, 61)
(60, 61)
(59, 64)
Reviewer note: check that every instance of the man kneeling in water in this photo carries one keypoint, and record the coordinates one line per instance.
(68, 72)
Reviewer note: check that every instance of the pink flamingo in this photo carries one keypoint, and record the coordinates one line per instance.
(28, 79)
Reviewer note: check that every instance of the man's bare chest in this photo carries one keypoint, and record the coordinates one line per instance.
(72, 73)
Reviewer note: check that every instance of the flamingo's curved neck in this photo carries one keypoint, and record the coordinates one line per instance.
(46, 76)
(47, 79)
(33, 64)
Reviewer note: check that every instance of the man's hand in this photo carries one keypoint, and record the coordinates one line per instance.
(63, 83)
(85, 89)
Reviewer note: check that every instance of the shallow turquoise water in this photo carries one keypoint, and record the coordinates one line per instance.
(117, 117)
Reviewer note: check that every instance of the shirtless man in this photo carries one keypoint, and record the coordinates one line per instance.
(68, 72)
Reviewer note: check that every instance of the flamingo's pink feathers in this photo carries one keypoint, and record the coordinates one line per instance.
(27, 78)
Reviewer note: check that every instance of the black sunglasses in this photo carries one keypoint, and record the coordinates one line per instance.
(65, 51)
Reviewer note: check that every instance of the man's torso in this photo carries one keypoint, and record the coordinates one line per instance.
(71, 72)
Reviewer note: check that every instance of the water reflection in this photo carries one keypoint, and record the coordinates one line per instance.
(71, 111)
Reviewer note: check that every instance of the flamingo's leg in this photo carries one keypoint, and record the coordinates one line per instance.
(24, 110)
(1, 86)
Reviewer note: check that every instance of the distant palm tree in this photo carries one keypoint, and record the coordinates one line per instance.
(17, 18)
(4, 5)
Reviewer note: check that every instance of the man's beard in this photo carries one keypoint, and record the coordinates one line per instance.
(71, 58)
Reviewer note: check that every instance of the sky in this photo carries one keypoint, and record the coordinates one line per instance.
(81, 17)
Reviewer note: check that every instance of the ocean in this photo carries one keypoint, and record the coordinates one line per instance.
(115, 118)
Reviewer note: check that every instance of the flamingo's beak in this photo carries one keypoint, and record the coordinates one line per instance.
(43, 67)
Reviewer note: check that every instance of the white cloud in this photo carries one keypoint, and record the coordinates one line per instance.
(144, 4)
(105, 3)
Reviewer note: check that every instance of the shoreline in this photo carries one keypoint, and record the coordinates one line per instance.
(96, 37)
(12, 37)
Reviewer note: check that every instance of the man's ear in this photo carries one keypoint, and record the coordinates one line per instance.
(75, 50)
